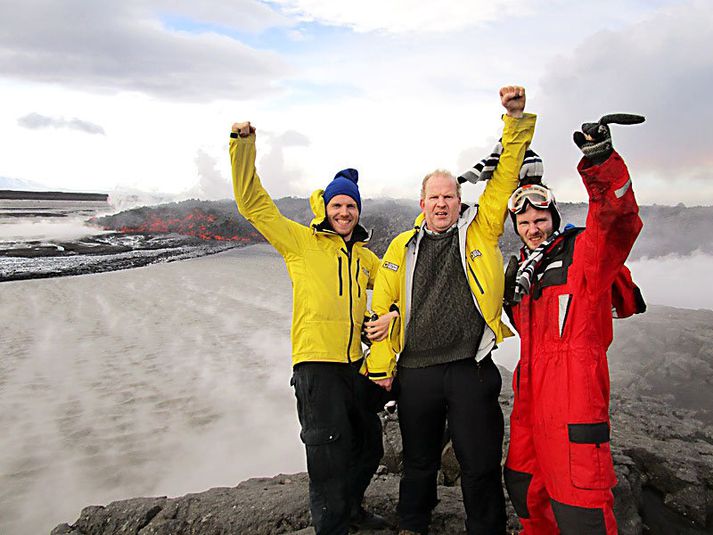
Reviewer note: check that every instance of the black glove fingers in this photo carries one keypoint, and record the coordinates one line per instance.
(594, 141)
(601, 133)
(579, 139)
(589, 128)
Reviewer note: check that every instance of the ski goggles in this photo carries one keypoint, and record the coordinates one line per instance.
(538, 196)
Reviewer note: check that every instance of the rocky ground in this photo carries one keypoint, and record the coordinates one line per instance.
(110, 251)
(663, 459)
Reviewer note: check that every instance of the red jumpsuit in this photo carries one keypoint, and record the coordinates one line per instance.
(559, 471)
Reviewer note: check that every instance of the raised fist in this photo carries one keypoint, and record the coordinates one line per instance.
(513, 99)
(243, 129)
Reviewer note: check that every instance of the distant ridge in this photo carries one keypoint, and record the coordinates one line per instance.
(52, 196)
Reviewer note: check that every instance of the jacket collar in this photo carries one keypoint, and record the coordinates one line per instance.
(467, 214)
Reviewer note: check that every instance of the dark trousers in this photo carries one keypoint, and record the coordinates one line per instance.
(341, 431)
(464, 393)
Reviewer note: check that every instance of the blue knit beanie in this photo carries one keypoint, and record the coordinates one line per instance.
(344, 183)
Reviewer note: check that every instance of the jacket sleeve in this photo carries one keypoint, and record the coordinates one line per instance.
(386, 296)
(373, 269)
(255, 204)
(613, 221)
(517, 135)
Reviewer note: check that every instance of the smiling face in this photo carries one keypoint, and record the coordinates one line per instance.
(534, 226)
(343, 215)
(440, 202)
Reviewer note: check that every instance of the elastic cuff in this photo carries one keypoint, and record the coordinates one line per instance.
(378, 375)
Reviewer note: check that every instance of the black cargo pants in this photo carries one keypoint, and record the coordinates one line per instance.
(337, 408)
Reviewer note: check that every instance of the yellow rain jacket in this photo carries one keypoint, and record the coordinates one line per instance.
(328, 282)
(479, 229)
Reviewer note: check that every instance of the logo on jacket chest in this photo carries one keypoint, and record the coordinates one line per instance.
(365, 272)
(391, 266)
(475, 253)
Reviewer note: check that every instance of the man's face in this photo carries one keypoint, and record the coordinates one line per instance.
(441, 203)
(343, 215)
(534, 226)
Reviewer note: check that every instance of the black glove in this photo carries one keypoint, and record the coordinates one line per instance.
(599, 147)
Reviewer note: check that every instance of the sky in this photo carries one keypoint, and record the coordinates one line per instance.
(139, 95)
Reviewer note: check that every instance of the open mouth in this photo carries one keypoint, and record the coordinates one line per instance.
(344, 223)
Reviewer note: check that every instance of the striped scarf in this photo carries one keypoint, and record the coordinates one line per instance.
(525, 272)
(531, 168)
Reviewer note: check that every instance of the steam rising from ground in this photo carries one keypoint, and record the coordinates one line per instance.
(46, 230)
(172, 379)
(679, 281)
(156, 381)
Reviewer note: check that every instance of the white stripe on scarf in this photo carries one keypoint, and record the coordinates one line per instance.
(532, 166)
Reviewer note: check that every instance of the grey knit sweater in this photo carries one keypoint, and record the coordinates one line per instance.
(444, 324)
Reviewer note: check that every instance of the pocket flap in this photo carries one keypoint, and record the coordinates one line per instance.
(588, 433)
(319, 436)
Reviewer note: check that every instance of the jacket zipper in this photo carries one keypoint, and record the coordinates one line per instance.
(340, 275)
(356, 277)
(476, 280)
(351, 313)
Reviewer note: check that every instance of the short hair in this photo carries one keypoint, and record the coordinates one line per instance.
(441, 172)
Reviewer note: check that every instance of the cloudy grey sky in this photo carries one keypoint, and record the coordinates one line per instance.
(140, 94)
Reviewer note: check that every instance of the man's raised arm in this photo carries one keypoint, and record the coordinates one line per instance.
(518, 130)
(253, 201)
(613, 221)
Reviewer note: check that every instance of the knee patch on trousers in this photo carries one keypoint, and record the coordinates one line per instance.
(573, 520)
(518, 483)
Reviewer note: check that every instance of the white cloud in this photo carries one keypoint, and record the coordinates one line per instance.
(35, 121)
(656, 67)
(125, 46)
(413, 89)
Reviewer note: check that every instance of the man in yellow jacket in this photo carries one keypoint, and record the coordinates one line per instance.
(445, 278)
(330, 270)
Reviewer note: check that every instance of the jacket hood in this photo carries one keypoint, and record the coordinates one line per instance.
(316, 202)
(320, 223)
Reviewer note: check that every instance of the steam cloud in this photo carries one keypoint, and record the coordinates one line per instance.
(212, 185)
(274, 172)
